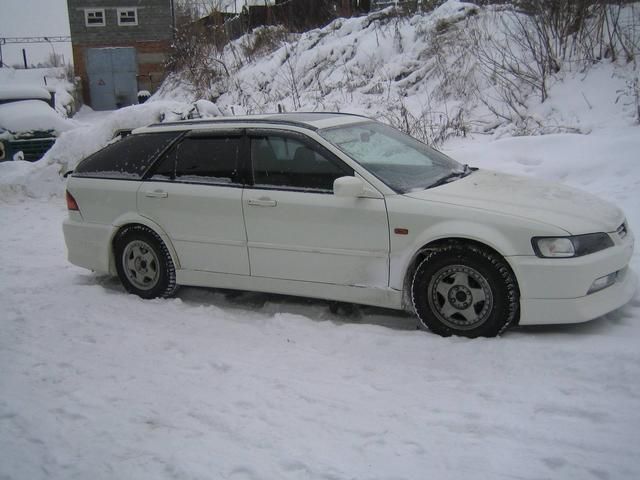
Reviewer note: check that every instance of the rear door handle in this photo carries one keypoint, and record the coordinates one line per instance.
(156, 194)
(262, 202)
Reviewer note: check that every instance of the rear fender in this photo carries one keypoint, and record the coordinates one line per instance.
(134, 218)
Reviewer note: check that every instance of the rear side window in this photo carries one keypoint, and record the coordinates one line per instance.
(211, 160)
(126, 159)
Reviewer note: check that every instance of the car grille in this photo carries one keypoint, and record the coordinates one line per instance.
(622, 231)
(33, 149)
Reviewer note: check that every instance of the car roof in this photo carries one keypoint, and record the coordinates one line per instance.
(309, 120)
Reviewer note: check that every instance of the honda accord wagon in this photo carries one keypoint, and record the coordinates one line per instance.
(344, 208)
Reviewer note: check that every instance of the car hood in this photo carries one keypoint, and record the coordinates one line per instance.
(572, 210)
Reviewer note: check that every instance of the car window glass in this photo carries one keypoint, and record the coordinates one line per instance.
(202, 160)
(127, 158)
(402, 162)
(281, 161)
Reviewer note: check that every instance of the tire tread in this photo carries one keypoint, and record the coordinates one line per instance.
(171, 286)
(496, 262)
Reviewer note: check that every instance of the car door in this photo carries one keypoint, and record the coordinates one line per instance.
(297, 229)
(195, 194)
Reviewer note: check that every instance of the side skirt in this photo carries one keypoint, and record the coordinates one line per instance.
(377, 297)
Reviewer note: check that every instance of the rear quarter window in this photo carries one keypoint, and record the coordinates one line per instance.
(126, 159)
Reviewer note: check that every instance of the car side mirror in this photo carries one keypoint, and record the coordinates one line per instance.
(348, 187)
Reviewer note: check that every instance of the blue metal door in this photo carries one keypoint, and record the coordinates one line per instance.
(112, 77)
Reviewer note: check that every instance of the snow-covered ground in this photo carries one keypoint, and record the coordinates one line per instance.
(96, 383)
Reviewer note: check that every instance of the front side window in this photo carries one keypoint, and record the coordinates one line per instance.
(127, 16)
(94, 17)
(400, 161)
(210, 160)
(126, 159)
(280, 161)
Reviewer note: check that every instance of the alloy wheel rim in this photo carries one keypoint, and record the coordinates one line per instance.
(460, 297)
(141, 265)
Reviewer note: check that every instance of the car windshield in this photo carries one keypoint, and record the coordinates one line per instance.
(400, 161)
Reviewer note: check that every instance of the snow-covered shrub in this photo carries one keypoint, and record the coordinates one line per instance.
(630, 96)
(262, 41)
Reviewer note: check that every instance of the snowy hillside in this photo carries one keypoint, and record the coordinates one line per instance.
(435, 75)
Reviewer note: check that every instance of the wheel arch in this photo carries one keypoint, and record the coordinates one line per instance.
(131, 220)
(438, 243)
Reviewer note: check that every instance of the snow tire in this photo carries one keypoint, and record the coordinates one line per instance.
(487, 273)
(163, 280)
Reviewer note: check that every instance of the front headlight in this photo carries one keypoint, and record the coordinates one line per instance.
(565, 247)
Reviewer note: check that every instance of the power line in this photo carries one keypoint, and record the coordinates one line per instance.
(7, 40)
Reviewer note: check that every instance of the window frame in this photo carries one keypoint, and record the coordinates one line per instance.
(240, 134)
(307, 142)
(87, 11)
(121, 10)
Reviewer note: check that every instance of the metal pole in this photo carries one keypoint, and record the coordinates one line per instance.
(24, 57)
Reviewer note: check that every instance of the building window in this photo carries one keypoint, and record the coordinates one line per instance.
(127, 16)
(94, 17)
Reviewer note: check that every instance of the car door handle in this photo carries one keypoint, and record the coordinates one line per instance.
(262, 202)
(156, 194)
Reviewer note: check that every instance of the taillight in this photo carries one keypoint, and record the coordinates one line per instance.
(71, 203)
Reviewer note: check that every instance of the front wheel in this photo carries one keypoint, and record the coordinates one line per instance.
(143, 263)
(464, 290)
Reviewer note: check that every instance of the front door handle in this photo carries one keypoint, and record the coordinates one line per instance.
(156, 194)
(262, 202)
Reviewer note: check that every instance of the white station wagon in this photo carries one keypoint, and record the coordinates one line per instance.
(344, 208)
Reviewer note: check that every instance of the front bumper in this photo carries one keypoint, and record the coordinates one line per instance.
(541, 311)
(555, 290)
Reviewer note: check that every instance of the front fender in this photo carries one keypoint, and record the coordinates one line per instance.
(402, 258)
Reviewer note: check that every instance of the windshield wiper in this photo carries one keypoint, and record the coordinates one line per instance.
(448, 178)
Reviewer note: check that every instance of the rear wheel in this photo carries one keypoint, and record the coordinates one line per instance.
(464, 290)
(143, 263)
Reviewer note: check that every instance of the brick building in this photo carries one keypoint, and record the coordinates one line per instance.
(119, 48)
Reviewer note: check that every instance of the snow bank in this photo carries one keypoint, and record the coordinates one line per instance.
(75, 145)
(43, 178)
(29, 179)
